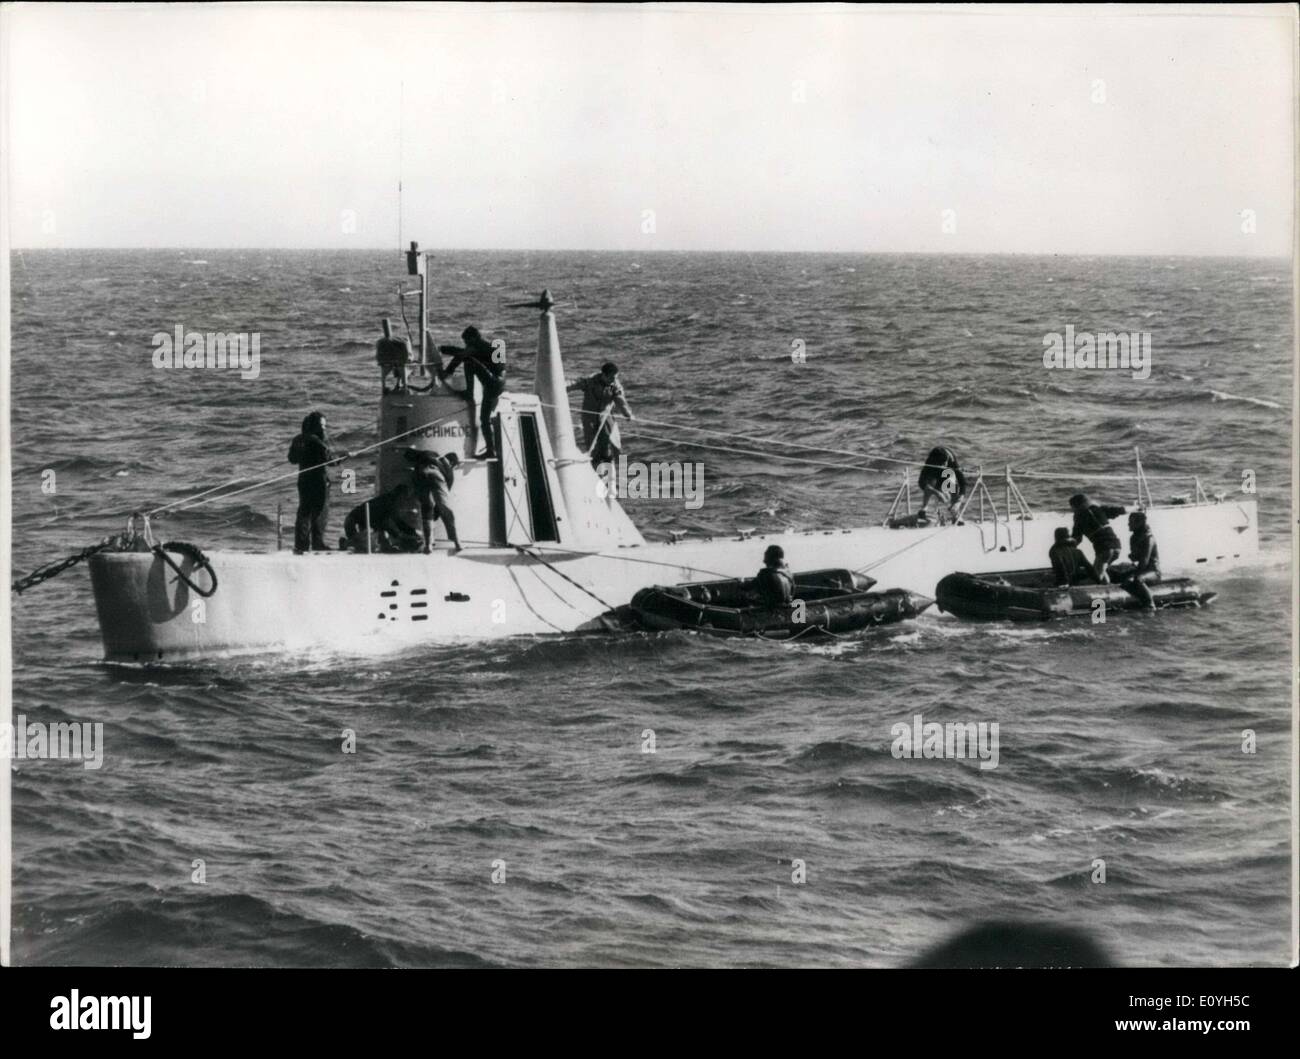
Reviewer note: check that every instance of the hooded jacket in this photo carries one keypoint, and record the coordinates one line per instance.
(1070, 565)
(775, 586)
(939, 460)
(311, 450)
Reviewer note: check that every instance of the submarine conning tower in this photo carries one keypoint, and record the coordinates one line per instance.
(541, 489)
(595, 518)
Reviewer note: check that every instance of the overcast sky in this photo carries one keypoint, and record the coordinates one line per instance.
(1045, 130)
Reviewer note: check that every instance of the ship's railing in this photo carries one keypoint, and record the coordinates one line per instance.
(1143, 497)
(979, 507)
(903, 499)
(1015, 509)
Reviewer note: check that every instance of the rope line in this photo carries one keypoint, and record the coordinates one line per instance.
(857, 455)
(759, 441)
(748, 452)
(195, 501)
(206, 496)
(526, 551)
(633, 559)
(1130, 478)
(885, 558)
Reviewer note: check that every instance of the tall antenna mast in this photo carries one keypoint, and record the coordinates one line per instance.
(401, 101)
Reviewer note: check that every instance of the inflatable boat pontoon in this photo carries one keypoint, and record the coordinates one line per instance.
(1033, 595)
(826, 601)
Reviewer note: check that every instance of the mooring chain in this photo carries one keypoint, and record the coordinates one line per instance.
(123, 543)
(57, 567)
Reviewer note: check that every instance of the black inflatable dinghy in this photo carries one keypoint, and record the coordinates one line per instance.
(834, 601)
(1033, 595)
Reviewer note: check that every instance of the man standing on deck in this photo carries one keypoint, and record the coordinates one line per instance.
(486, 362)
(311, 452)
(602, 395)
(1093, 521)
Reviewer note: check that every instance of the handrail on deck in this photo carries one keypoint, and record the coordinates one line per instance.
(1018, 508)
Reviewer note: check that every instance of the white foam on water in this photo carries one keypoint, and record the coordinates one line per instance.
(1220, 395)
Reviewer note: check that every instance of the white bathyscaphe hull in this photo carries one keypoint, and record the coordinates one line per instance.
(280, 601)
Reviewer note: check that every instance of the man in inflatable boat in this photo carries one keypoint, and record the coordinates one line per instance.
(1071, 566)
(1143, 567)
(1093, 521)
(774, 582)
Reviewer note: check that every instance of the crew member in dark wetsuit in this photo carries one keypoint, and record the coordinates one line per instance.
(1093, 521)
(311, 452)
(486, 363)
(1070, 565)
(941, 478)
(432, 478)
(774, 582)
(386, 521)
(1145, 558)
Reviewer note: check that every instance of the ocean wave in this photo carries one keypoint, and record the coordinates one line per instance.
(1220, 395)
(1148, 780)
(1184, 708)
(155, 928)
(835, 754)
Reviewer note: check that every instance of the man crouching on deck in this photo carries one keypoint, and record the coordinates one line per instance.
(941, 479)
(432, 476)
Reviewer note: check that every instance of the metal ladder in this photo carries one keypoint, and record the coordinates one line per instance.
(1017, 511)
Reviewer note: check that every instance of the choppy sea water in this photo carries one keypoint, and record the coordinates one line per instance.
(1119, 742)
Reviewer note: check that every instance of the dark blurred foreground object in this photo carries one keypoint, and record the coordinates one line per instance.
(1017, 945)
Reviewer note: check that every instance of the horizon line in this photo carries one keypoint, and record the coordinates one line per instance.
(664, 250)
